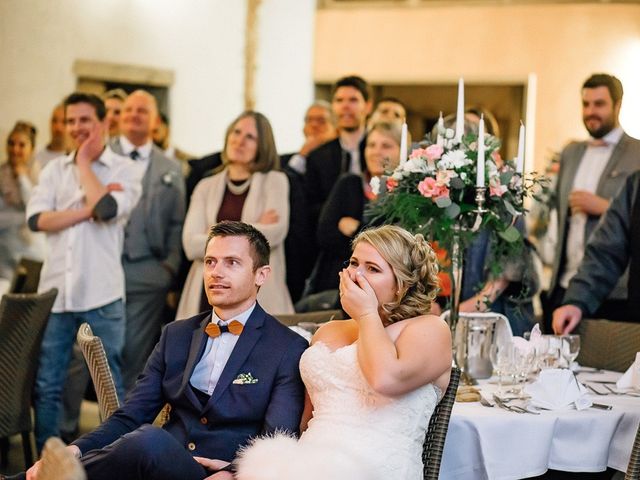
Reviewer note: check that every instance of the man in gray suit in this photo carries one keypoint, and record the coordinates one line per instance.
(152, 244)
(591, 173)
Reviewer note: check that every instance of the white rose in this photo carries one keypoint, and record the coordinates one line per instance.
(375, 185)
(449, 133)
(455, 158)
(415, 165)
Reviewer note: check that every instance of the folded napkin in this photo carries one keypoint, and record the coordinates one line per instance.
(631, 378)
(557, 389)
(529, 346)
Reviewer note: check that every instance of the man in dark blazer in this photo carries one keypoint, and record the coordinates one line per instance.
(351, 103)
(613, 247)
(153, 237)
(591, 173)
(224, 386)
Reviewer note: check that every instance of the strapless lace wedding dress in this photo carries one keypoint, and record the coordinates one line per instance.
(355, 433)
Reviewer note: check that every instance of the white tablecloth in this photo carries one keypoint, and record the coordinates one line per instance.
(494, 444)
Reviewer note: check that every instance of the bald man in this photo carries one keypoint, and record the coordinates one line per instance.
(152, 244)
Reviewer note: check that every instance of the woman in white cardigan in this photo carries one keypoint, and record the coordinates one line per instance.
(249, 189)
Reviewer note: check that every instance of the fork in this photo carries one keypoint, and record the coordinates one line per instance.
(616, 392)
(485, 403)
(594, 390)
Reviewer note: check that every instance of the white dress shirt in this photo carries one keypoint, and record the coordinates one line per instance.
(144, 154)
(83, 261)
(216, 354)
(593, 163)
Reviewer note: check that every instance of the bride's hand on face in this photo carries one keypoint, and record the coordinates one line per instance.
(357, 296)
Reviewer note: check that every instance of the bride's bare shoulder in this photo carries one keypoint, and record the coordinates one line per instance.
(337, 333)
(426, 323)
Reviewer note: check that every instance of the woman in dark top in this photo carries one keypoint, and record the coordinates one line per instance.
(342, 213)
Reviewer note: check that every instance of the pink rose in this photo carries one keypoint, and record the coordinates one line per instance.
(391, 184)
(430, 188)
(434, 152)
(417, 153)
(427, 187)
(495, 188)
(443, 192)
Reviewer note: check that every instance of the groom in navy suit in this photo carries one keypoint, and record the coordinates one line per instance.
(229, 375)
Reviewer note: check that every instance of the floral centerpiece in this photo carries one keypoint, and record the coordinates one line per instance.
(437, 191)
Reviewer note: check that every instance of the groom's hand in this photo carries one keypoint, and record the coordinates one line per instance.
(214, 465)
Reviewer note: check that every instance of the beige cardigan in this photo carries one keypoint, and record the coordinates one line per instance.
(268, 191)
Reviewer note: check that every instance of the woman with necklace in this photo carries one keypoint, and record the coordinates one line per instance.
(248, 188)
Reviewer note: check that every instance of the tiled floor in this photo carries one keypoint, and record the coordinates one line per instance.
(89, 419)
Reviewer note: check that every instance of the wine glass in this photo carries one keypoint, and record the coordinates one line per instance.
(549, 353)
(501, 355)
(570, 348)
(522, 365)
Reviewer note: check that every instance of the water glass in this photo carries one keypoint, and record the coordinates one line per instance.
(501, 358)
(523, 364)
(570, 348)
(548, 352)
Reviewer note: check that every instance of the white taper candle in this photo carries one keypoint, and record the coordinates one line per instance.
(460, 111)
(480, 165)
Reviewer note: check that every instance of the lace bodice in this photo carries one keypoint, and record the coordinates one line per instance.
(386, 433)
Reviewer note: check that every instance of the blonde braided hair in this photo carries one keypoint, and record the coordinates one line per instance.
(414, 265)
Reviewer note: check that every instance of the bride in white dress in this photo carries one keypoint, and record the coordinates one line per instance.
(373, 381)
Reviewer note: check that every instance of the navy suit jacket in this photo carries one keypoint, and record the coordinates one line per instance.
(235, 412)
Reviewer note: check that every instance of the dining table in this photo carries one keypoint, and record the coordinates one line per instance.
(487, 442)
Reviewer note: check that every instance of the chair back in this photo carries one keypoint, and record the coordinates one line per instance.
(23, 318)
(607, 344)
(319, 316)
(437, 431)
(96, 359)
(26, 276)
(633, 470)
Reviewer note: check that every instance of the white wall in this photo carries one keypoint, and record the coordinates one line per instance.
(202, 41)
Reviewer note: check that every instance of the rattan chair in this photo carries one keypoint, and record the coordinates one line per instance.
(607, 344)
(633, 470)
(26, 276)
(96, 359)
(438, 426)
(23, 318)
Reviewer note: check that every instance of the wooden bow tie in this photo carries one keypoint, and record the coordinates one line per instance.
(215, 330)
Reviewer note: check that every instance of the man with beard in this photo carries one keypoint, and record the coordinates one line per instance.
(591, 173)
